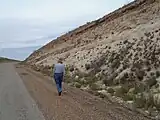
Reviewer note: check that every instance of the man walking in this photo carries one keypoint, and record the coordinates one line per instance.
(59, 71)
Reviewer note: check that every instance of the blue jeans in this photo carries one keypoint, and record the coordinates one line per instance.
(58, 80)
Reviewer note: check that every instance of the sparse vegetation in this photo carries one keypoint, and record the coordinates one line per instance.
(140, 101)
(129, 68)
(110, 90)
(157, 74)
(94, 86)
(128, 97)
(77, 85)
(87, 66)
(120, 91)
(102, 95)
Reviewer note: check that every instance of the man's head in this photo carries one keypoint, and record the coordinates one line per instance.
(60, 60)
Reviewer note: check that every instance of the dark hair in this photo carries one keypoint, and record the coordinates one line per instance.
(60, 60)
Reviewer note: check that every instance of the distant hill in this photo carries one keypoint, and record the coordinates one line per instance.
(17, 53)
(2, 59)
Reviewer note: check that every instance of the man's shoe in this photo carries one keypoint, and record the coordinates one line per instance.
(59, 93)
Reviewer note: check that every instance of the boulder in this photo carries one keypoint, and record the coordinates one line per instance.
(100, 85)
(76, 77)
(85, 88)
(104, 92)
(131, 105)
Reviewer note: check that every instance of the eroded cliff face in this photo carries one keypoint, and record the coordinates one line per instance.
(88, 42)
(122, 48)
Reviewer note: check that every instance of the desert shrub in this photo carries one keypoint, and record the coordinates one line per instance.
(77, 85)
(139, 101)
(156, 100)
(149, 102)
(87, 66)
(149, 68)
(79, 74)
(147, 34)
(151, 81)
(68, 78)
(94, 86)
(140, 74)
(152, 36)
(90, 79)
(81, 81)
(96, 93)
(157, 74)
(96, 70)
(126, 41)
(144, 100)
(102, 95)
(128, 97)
(140, 87)
(152, 74)
(156, 31)
(71, 69)
(125, 87)
(119, 91)
(115, 63)
(109, 80)
(110, 90)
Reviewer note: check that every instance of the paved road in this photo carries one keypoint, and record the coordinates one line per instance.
(15, 101)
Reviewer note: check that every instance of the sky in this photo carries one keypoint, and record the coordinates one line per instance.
(26, 25)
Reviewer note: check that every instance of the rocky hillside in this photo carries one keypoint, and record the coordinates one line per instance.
(117, 55)
(88, 42)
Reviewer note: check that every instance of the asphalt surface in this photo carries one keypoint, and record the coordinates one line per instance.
(15, 101)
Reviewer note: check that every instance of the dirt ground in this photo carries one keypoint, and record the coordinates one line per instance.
(74, 104)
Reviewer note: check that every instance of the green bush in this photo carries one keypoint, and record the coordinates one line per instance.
(94, 86)
(139, 101)
(157, 74)
(151, 81)
(149, 101)
(77, 85)
(110, 90)
(91, 79)
(87, 66)
(140, 87)
(119, 91)
(128, 97)
(102, 95)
